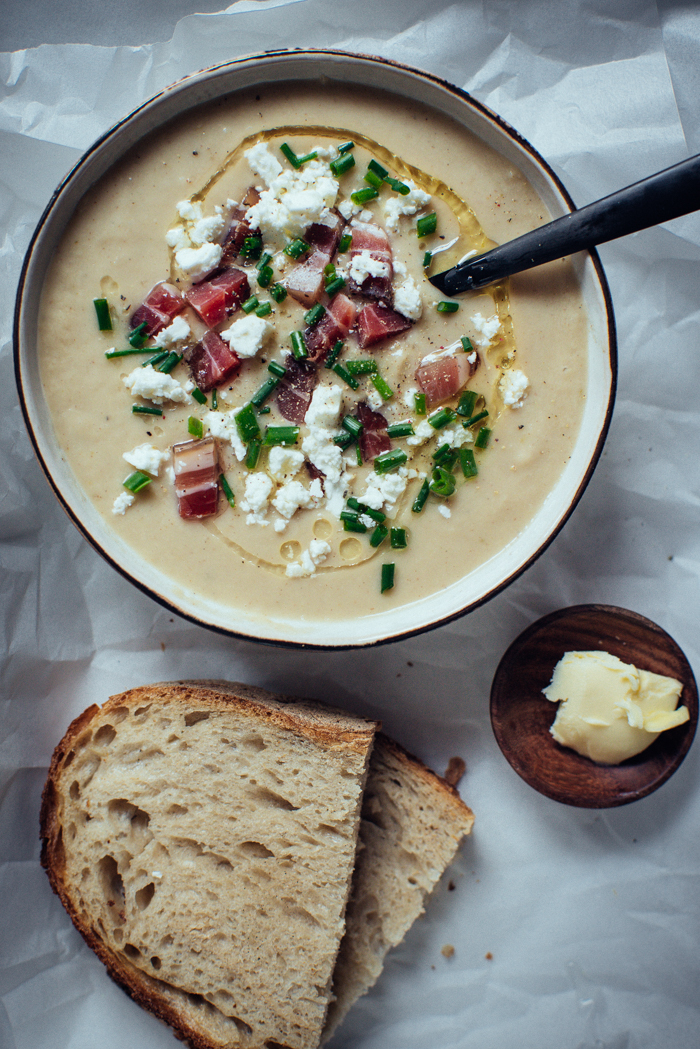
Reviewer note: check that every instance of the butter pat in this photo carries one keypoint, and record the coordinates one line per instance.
(610, 710)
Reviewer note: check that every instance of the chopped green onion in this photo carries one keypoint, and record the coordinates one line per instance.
(441, 417)
(265, 275)
(299, 350)
(314, 314)
(427, 259)
(373, 179)
(362, 508)
(345, 242)
(466, 344)
(378, 535)
(377, 169)
(467, 403)
(404, 429)
(426, 225)
(475, 419)
(352, 523)
(468, 462)
(297, 248)
(482, 438)
(253, 453)
(342, 164)
(334, 354)
(335, 286)
(145, 409)
(281, 435)
(104, 317)
(367, 366)
(387, 577)
(200, 398)
(345, 146)
(362, 196)
(345, 376)
(419, 401)
(447, 307)
(227, 490)
(277, 369)
(383, 389)
(263, 392)
(109, 354)
(138, 336)
(352, 425)
(420, 500)
(247, 424)
(252, 248)
(398, 187)
(398, 539)
(290, 155)
(195, 426)
(343, 439)
(136, 481)
(156, 359)
(214, 399)
(263, 310)
(389, 461)
(169, 363)
(278, 292)
(442, 482)
(250, 304)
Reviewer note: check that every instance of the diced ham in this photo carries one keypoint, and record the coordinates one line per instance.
(157, 310)
(335, 324)
(295, 390)
(376, 322)
(216, 299)
(442, 376)
(196, 465)
(324, 237)
(374, 439)
(368, 237)
(239, 229)
(305, 282)
(212, 362)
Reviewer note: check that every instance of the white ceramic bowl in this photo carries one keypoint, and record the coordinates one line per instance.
(410, 84)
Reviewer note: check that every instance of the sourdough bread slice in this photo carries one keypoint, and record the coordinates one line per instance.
(412, 824)
(202, 838)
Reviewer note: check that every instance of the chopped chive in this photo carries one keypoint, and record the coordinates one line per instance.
(404, 429)
(265, 260)
(345, 146)
(427, 259)
(482, 438)
(445, 456)
(195, 426)
(227, 490)
(250, 304)
(383, 389)
(362, 508)
(104, 317)
(373, 179)
(358, 454)
(343, 439)
(420, 500)
(367, 366)
(296, 248)
(345, 376)
(362, 196)
(389, 461)
(247, 424)
(426, 225)
(447, 307)
(139, 336)
(263, 392)
(278, 292)
(467, 403)
(200, 398)
(352, 425)
(276, 369)
(156, 359)
(291, 156)
(169, 363)
(110, 354)
(378, 535)
(252, 249)
(264, 411)
(214, 399)
(265, 275)
(314, 314)
(253, 453)
(468, 462)
(329, 273)
(397, 186)
(307, 156)
(442, 482)
(377, 169)
(335, 286)
(398, 539)
(352, 523)
(334, 354)
(387, 577)
(136, 481)
(281, 435)
(441, 417)
(419, 401)
(475, 419)
(299, 350)
(466, 344)
(345, 242)
(342, 164)
(145, 409)
(264, 310)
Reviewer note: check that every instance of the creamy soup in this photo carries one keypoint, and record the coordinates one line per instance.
(161, 213)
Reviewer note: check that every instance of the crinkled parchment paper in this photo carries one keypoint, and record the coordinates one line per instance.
(571, 928)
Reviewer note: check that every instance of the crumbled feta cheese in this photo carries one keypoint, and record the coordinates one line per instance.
(155, 386)
(176, 332)
(456, 436)
(206, 229)
(292, 202)
(324, 408)
(319, 449)
(486, 327)
(263, 163)
(246, 336)
(147, 458)
(374, 399)
(409, 396)
(400, 268)
(293, 495)
(363, 266)
(123, 502)
(188, 210)
(223, 425)
(348, 210)
(444, 510)
(284, 463)
(177, 238)
(257, 491)
(513, 385)
(423, 432)
(306, 566)
(407, 300)
(197, 262)
(385, 490)
(396, 205)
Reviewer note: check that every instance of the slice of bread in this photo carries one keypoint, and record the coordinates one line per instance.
(202, 838)
(412, 824)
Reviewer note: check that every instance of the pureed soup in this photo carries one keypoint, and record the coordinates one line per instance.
(331, 414)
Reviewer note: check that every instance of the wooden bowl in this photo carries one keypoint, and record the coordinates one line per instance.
(521, 716)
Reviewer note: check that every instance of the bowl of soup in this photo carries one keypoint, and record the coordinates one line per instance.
(246, 392)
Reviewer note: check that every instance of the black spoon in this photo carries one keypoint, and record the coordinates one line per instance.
(666, 195)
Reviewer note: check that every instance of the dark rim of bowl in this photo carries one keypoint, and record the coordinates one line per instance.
(490, 115)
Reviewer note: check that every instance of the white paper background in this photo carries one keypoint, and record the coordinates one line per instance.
(591, 917)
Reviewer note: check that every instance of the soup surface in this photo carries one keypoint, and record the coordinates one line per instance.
(283, 549)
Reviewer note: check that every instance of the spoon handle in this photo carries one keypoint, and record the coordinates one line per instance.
(666, 195)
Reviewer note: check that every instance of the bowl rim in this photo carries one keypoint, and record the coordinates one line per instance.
(189, 83)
